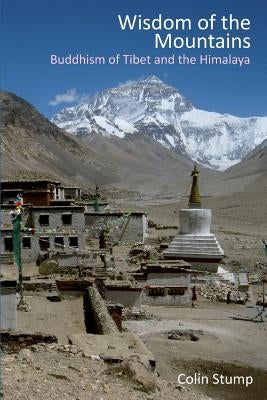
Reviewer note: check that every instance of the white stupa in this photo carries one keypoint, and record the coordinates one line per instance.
(194, 242)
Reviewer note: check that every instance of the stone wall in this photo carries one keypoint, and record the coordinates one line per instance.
(5, 215)
(40, 197)
(89, 207)
(136, 229)
(96, 315)
(44, 286)
(69, 257)
(55, 223)
(8, 305)
(7, 229)
(75, 259)
(15, 341)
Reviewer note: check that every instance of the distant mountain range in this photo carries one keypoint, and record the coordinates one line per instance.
(33, 147)
(156, 110)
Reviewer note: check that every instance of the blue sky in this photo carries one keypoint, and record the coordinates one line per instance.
(32, 30)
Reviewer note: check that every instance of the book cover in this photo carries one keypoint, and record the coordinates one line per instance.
(133, 199)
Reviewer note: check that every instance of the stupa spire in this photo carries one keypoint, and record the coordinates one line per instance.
(194, 199)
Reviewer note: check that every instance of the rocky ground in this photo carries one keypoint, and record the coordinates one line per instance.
(58, 371)
(55, 372)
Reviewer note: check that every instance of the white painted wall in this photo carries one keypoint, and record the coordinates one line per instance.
(126, 298)
(195, 221)
(168, 279)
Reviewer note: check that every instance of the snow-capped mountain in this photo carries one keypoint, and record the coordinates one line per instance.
(153, 108)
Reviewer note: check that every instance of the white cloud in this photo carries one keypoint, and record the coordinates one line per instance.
(85, 98)
(129, 82)
(69, 97)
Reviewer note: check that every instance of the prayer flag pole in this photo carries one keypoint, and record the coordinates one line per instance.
(16, 216)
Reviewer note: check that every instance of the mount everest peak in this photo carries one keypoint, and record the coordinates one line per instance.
(151, 107)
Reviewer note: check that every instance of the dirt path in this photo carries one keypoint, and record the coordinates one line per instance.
(227, 346)
(61, 319)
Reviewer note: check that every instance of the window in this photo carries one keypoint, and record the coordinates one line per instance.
(8, 244)
(44, 219)
(66, 219)
(73, 241)
(59, 242)
(156, 292)
(176, 291)
(44, 243)
(26, 242)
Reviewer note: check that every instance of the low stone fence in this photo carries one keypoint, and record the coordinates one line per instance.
(14, 341)
(37, 286)
(75, 260)
(217, 291)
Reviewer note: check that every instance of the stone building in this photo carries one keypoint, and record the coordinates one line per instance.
(45, 228)
(35, 192)
(50, 221)
(167, 283)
